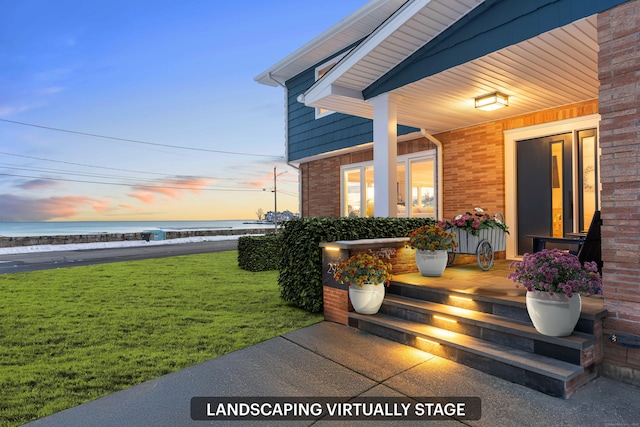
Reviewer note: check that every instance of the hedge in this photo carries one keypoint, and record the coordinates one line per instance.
(259, 253)
(300, 278)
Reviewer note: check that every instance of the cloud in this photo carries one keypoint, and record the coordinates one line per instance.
(18, 208)
(8, 110)
(37, 184)
(143, 197)
(172, 188)
(49, 90)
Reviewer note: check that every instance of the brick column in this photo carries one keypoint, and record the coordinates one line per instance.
(619, 105)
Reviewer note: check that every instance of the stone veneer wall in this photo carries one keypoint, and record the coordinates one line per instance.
(336, 304)
(619, 74)
(117, 237)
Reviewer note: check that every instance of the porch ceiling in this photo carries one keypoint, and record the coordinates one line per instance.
(554, 69)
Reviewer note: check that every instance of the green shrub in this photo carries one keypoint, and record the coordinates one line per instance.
(259, 253)
(300, 278)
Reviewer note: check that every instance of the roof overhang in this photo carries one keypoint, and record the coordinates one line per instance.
(556, 68)
(350, 30)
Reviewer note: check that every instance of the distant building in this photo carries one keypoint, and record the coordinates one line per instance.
(281, 216)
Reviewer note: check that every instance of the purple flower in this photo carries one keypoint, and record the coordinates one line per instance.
(555, 271)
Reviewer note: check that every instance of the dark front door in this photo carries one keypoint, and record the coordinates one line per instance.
(544, 188)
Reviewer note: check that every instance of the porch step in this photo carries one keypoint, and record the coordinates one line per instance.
(507, 307)
(488, 333)
(544, 374)
(495, 329)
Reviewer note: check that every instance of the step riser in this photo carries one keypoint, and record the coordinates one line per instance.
(536, 381)
(506, 337)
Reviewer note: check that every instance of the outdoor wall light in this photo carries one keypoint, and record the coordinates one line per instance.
(492, 101)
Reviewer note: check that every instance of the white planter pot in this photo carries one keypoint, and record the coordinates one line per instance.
(368, 299)
(553, 315)
(431, 263)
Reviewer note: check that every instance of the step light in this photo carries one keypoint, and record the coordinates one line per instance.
(444, 319)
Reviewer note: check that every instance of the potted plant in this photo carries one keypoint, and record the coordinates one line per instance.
(366, 277)
(554, 280)
(431, 243)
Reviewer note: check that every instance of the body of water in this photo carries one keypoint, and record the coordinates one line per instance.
(22, 229)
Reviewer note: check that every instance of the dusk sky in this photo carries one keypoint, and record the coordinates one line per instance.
(147, 110)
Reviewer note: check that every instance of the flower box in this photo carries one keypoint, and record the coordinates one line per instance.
(468, 243)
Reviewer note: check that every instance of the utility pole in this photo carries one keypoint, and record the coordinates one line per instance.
(275, 197)
(275, 200)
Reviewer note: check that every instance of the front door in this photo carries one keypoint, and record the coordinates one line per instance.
(544, 188)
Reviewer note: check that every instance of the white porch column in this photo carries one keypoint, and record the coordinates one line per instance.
(385, 156)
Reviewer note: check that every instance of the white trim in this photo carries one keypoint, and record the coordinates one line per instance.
(510, 159)
(351, 29)
(318, 90)
(323, 112)
(367, 145)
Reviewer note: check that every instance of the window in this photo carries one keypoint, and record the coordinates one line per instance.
(423, 187)
(357, 191)
(587, 177)
(416, 186)
(320, 72)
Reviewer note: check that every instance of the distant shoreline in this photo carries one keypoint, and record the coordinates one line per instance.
(7, 242)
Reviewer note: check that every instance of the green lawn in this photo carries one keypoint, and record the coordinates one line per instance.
(71, 335)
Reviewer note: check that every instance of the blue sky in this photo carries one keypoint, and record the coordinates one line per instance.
(147, 77)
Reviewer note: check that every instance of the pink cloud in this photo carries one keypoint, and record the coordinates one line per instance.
(172, 188)
(17, 208)
(143, 197)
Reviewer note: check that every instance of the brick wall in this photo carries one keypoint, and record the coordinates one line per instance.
(336, 305)
(619, 73)
(473, 169)
(321, 183)
(473, 158)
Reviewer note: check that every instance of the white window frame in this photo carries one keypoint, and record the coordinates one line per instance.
(407, 160)
(361, 167)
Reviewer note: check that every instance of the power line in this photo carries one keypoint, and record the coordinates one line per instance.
(124, 179)
(100, 167)
(139, 142)
(77, 164)
(128, 185)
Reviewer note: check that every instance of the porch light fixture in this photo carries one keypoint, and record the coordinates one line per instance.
(492, 101)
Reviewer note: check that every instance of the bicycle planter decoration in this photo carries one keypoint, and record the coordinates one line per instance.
(478, 234)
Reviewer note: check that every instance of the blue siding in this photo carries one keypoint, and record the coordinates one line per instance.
(493, 25)
(308, 136)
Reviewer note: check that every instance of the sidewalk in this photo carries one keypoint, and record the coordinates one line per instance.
(327, 359)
